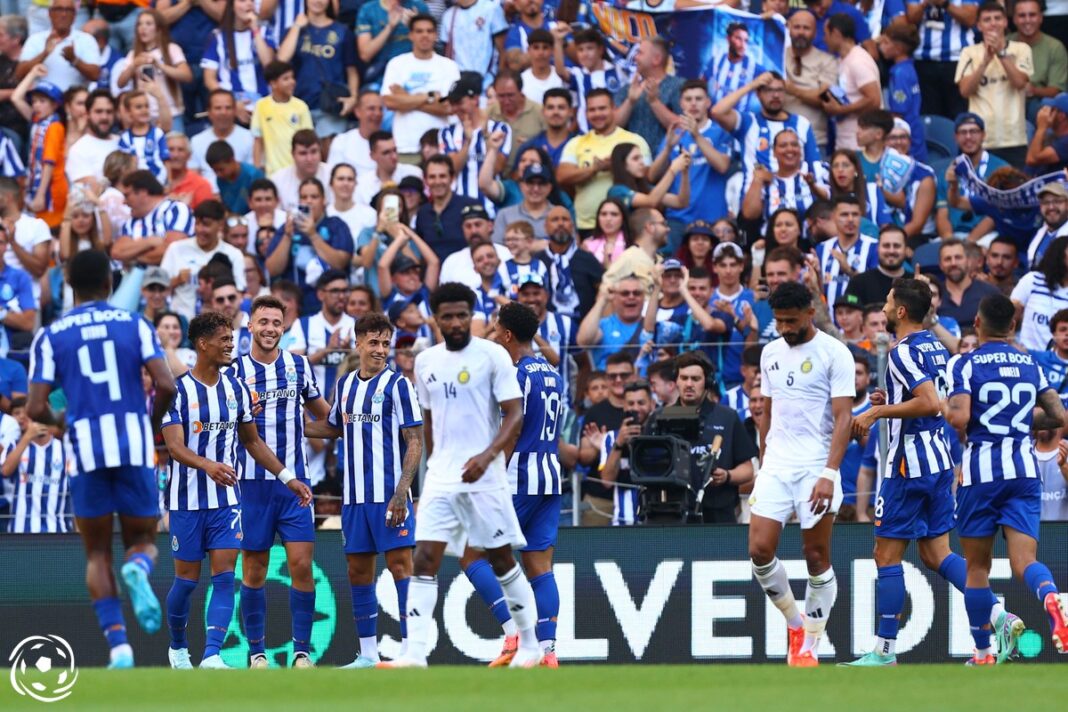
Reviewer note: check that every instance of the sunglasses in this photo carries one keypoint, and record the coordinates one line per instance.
(630, 293)
(227, 299)
(618, 376)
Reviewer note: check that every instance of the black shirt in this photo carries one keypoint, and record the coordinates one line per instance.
(871, 287)
(605, 415)
(444, 233)
(584, 273)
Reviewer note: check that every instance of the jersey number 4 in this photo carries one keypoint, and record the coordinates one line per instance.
(110, 373)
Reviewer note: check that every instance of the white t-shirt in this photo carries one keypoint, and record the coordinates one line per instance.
(85, 159)
(418, 76)
(1040, 303)
(30, 232)
(61, 72)
(801, 381)
(288, 185)
(352, 148)
(186, 254)
(463, 391)
(534, 88)
(368, 184)
(357, 217)
(459, 267)
(240, 139)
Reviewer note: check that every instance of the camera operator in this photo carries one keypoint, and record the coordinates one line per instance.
(695, 379)
(637, 407)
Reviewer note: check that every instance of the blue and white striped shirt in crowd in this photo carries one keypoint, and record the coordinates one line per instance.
(756, 134)
(862, 256)
(151, 150)
(11, 165)
(168, 216)
(513, 275)
(583, 81)
(562, 334)
(41, 503)
(737, 400)
(725, 76)
(94, 353)
(451, 140)
(371, 414)
(942, 37)
(282, 388)
(917, 446)
(793, 192)
(1004, 385)
(246, 82)
(912, 189)
(534, 468)
(311, 334)
(209, 417)
(284, 17)
(624, 496)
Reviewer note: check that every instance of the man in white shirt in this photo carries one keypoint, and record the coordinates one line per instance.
(414, 83)
(29, 239)
(307, 163)
(222, 117)
(459, 266)
(387, 168)
(184, 258)
(72, 57)
(85, 158)
(540, 77)
(352, 147)
(473, 32)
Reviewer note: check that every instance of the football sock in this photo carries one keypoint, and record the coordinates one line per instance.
(254, 616)
(143, 560)
(521, 605)
(109, 616)
(178, 610)
(547, 599)
(1038, 578)
(302, 608)
(422, 598)
(220, 610)
(402, 609)
(365, 613)
(820, 595)
(954, 569)
(776, 584)
(977, 604)
(890, 594)
(489, 590)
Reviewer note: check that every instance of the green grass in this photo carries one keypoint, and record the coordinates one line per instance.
(592, 688)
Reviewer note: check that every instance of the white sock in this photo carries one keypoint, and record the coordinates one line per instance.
(422, 598)
(521, 605)
(509, 628)
(776, 584)
(983, 652)
(885, 646)
(369, 648)
(120, 650)
(404, 648)
(819, 599)
(547, 646)
(995, 612)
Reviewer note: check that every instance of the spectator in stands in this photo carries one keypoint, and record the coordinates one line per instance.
(897, 45)
(235, 56)
(512, 108)
(74, 114)
(535, 186)
(343, 185)
(467, 140)
(601, 418)
(82, 229)
(222, 126)
(389, 171)
(954, 215)
(489, 293)
(440, 221)
(100, 31)
(1040, 294)
(277, 119)
(630, 187)
(945, 29)
(557, 112)
(648, 230)
(476, 228)
(993, 76)
(29, 241)
(605, 335)
(1048, 55)
(154, 59)
(575, 274)
(504, 189)
(540, 76)
(226, 299)
(353, 146)
(401, 279)
(611, 234)
(951, 326)
(306, 162)
(873, 128)
(190, 26)
(171, 332)
(921, 189)
(591, 71)
(961, 293)
(86, 156)
(858, 80)
(1053, 206)
(1001, 261)
(793, 184)
(264, 213)
(696, 248)
(233, 179)
(783, 229)
(413, 84)
(524, 27)
(143, 137)
(46, 186)
(382, 33)
(184, 258)
(809, 71)
(733, 298)
(823, 10)
(237, 235)
(850, 253)
(18, 305)
(667, 307)
(1054, 360)
(849, 316)
(473, 33)
(1048, 149)
(69, 56)
(873, 285)
(185, 185)
(662, 382)
(850, 468)
(649, 106)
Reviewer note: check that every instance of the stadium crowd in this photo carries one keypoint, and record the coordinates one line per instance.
(349, 157)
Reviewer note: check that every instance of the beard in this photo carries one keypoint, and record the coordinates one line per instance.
(561, 237)
(455, 341)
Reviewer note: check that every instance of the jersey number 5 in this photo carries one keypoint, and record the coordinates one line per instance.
(110, 373)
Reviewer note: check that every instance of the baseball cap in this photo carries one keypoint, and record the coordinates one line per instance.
(851, 301)
(901, 125)
(398, 307)
(1058, 189)
(411, 183)
(723, 247)
(969, 117)
(156, 275)
(532, 278)
(402, 263)
(535, 171)
(700, 227)
(473, 211)
(672, 264)
(48, 89)
(469, 84)
(1059, 102)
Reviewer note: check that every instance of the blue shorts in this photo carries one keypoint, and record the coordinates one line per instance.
(914, 508)
(984, 506)
(267, 507)
(364, 529)
(197, 532)
(539, 519)
(128, 490)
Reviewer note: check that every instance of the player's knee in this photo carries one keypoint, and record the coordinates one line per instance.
(399, 569)
(760, 553)
(423, 563)
(817, 556)
(501, 560)
(931, 559)
(300, 570)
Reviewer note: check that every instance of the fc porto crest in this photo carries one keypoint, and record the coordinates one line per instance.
(174, 543)
(378, 397)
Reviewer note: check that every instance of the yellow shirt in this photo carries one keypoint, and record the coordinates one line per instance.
(275, 123)
(1001, 106)
(582, 151)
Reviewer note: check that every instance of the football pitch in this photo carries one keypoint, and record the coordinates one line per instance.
(597, 688)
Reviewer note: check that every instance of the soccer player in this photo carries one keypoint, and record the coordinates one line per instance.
(915, 500)
(804, 374)
(109, 435)
(210, 413)
(467, 383)
(377, 417)
(993, 393)
(283, 387)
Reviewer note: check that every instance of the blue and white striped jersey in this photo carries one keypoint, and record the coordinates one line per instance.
(246, 82)
(725, 76)
(562, 334)
(737, 400)
(912, 189)
(312, 334)
(862, 256)
(756, 133)
(371, 414)
(151, 150)
(583, 81)
(534, 468)
(209, 417)
(168, 216)
(41, 503)
(284, 17)
(11, 164)
(1004, 385)
(513, 275)
(95, 353)
(282, 388)
(941, 37)
(451, 140)
(917, 446)
(624, 495)
(793, 192)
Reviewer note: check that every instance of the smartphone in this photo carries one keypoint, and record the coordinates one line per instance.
(631, 415)
(391, 208)
(148, 72)
(304, 210)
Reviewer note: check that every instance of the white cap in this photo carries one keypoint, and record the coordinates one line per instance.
(900, 123)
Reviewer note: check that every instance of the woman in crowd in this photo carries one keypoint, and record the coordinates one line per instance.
(611, 234)
(372, 242)
(81, 230)
(634, 191)
(784, 229)
(255, 281)
(235, 56)
(169, 329)
(847, 178)
(74, 108)
(155, 59)
(696, 247)
(1041, 294)
(343, 184)
(503, 189)
(362, 300)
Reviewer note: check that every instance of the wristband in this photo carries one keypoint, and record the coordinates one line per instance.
(829, 473)
(286, 476)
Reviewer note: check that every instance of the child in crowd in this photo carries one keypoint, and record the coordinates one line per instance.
(46, 189)
(519, 239)
(144, 139)
(592, 72)
(276, 118)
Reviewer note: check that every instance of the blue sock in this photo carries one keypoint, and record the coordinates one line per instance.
(109, 616)
(365, 610)
(977, 603)
(954, 568)
(489, 589)
(220, 610)
(1038, 578)
(254, 616)
(402, 605)
(178, 610)
(890, 598)
(302, 607)
(547, 597)
(143, 560)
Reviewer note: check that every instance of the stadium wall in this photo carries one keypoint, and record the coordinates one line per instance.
(658, 595)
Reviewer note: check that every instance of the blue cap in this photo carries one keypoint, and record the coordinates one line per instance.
(398, 307)
(535, 171)
(48, 89)
(672, 264)
(532, 278)
(1059, 102)
(969, 117)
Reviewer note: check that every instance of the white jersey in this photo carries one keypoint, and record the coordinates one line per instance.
(801, 381)
(463, 390)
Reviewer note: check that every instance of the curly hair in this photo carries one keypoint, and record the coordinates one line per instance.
(207, 323)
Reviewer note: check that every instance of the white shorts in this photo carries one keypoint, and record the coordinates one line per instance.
(778, 499)
(482, 519)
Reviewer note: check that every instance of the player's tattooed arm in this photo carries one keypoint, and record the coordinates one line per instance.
(1049, 414)
(398, 505)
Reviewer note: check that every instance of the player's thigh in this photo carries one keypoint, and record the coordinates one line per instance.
(254, 567)
(772, 498)
(136, 491)
(802, 493)
(440, 522)
(900, 507)
(188, 535)
(539, 520)
(138, 532)
(889, 551)
(259, 515)
(223, 529)
(488, 517)
(292, 522)
(96, 534)
(977, 510)
(537, 563)
(1023, 549)
(1020, 506)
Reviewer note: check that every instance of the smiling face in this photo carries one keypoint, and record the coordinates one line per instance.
(267, 326)
(169, 330)
(628, 297)
(373, 349)
(485, 259)
(216, 348)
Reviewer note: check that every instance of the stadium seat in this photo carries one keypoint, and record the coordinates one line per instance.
(937, 152)
(939, 131)
(926, 256)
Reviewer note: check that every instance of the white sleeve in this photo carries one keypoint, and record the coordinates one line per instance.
(420, 385)
(505, 381)
(842, 370)
(1022, 291)
(765, 380)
